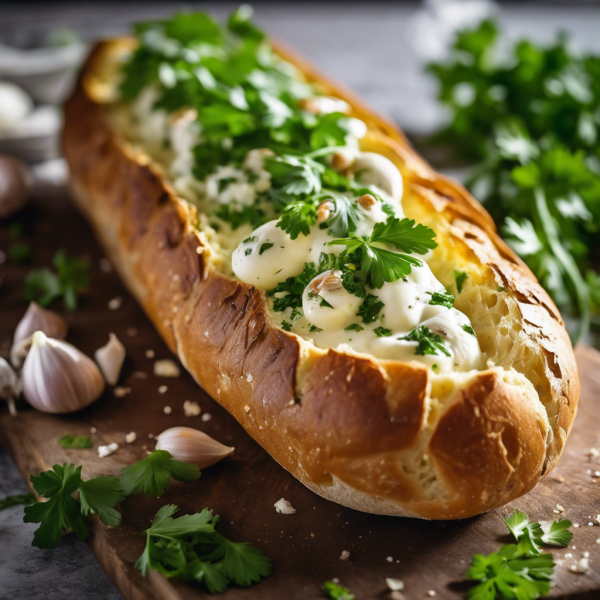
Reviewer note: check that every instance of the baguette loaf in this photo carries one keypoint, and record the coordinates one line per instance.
(380, 436)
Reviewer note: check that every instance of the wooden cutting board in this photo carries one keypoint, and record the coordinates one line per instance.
(305, 547)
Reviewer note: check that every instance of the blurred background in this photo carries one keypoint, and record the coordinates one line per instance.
(503, 96)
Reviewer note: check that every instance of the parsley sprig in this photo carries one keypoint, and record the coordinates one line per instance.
(379, 265)
(518, 570)
(62, 512)
(191, 548)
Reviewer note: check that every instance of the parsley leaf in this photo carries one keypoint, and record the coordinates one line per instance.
(16, 500)
(460, 279)
(331, 130)
(441, 299)
(335, 591)
(61, 512)
(293, 287)
(190, 547)
(99, 495)
(468, 329)
(382, 332)
(294, 175)
(369, 310)
(529, 535)
(428, 342)
(379, 265)
(354, 327)
(344, 219)
(72, 276)
(298, 217)
(558, 534)
(153, 474)
(75, 441)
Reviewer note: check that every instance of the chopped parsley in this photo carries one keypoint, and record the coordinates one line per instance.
(248, 251)
(441, 299)
(468, 329)
(369, 310)
(264, 247)
(427, 342)
(225, 183)
(315, 329)
(382, 332)
(335, 591)
(354, 327)
(75, 441)
(324, 303)
(286, 325)
(460, 278)
(293, 287)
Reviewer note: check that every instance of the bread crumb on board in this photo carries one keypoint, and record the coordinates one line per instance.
(121, 392)
(166, 368)
(191, 409)
(394, 584)
(284, 507)
(206, 417)
(115, 303)
(345, 555)
(107, 450)
(131, 437)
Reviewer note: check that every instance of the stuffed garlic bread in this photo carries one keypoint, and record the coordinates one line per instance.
(353, 310)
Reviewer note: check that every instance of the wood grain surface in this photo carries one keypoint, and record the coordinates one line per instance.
(306, 546)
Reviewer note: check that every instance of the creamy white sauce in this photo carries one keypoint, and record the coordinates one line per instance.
(267, 256)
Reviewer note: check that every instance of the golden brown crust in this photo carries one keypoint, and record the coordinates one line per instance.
(380, 436)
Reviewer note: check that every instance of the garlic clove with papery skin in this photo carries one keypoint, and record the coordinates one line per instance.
(35, 319)
(192, 446)
(110, 359)
(10, 386)
(58, 378)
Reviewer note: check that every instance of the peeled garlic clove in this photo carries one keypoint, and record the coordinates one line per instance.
(58, 378)
(35, 319)
(110, 359)
(192, 446)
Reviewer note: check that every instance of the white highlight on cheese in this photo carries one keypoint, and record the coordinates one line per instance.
(379, 171)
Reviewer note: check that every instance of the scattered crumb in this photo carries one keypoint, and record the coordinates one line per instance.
(121, 392)
(596, 474)
(559, 478)
(568, 555)
(131, 437)
(598, 541)
(431, 593)
(167, 410)
(206, 417)
(166, 368)
(394, 584)
(334, 579)
(396, 595)
(246, 408)
(389, 559)
(582, 565)
(150, 435)
(105, 265)
(575, 524)
(284, 507)
(140, 375)
(162, 389)
(291, 402)
(345, 555)
(593, 453)
(115, 303)
(107, 450)
(93, 430)
(249, 378)
(559, 508)
(191, 409)
(149, 353)
(132, 332)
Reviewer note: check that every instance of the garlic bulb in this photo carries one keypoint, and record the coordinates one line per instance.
(10, 386)
(110, 359)
(15, 182)
(193, 446)
(58, 378)
(35, 319)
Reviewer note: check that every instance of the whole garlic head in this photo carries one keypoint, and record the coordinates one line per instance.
(58, 378)
(110, 359)
(192, 446)
(35, 319)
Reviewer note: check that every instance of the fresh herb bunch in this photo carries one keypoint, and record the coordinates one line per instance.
(518, 570)
(189, 547)
(531, 119)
